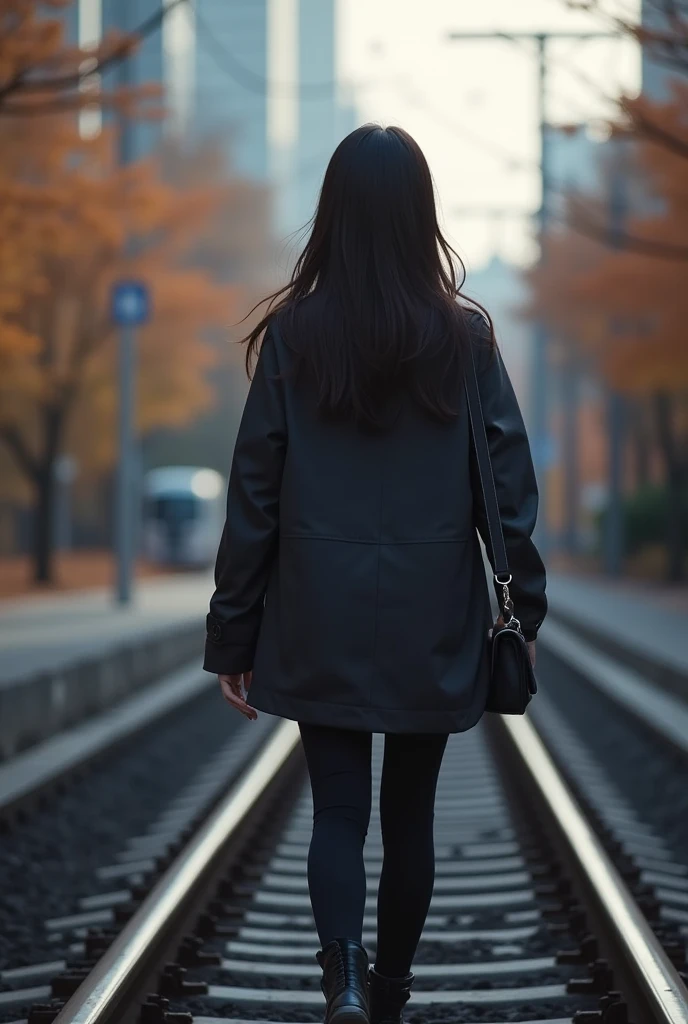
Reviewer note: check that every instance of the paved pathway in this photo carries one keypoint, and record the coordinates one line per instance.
(38, 633)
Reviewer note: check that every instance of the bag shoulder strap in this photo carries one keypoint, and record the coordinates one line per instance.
(482, 452)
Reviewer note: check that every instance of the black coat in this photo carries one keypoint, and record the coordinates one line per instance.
(349, 575)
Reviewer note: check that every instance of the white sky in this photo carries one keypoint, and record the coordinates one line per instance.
(447, 94)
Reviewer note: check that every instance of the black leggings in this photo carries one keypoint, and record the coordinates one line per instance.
(339, 767)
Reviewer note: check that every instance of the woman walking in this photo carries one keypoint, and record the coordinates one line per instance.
(350, 589)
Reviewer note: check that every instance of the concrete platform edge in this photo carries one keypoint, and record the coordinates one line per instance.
(664, 673)
(32, 710)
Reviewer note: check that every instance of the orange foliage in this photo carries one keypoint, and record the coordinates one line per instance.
(628, 309)
(40, 72)
(72, 222)
(57, 344)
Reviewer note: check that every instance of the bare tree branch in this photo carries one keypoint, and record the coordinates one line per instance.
(16, 444)
(665, 40)
(20, 83)
(624, 240)
(63, 104)
(653, 131)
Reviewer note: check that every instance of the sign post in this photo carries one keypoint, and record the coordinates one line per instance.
(129, 308)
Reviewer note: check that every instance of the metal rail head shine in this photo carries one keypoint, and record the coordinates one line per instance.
(663, 988)
(109, 994)
(100, 998)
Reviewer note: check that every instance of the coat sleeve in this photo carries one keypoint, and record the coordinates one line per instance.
(515, 483)
(249, 539)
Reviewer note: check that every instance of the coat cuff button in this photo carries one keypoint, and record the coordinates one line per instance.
(215, 631)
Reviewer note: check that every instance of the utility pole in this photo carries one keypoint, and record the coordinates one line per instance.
(540, 436)
(613, 534)
(569, 396)
(124, 511)
(613, 538)
(539, 370)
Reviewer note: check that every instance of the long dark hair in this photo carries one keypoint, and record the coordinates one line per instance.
(380, 282)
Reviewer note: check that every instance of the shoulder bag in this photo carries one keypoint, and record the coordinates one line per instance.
(512, 679)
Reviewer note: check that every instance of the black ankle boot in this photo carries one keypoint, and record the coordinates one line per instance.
(345, 982)
(388, 997)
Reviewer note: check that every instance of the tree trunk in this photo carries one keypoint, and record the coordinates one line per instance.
(570, 398)
(45, 491)
(43, 524)
(641, 443)
(676, 487)
(39, 468)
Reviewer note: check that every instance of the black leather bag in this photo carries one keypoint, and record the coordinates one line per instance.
(512, 679)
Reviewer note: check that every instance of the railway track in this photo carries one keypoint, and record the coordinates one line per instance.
(530, 919)
(78, 854)
(621, 742)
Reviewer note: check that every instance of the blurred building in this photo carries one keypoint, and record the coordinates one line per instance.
(573, 161)
(585, 413)
(87, 21)
(266, 82)
(70, 18)
(325, 114)
(144, 66)
(259, 77)
(499, 286)
(656, 76)
(322, 121)
(230, 91)
(577, 161)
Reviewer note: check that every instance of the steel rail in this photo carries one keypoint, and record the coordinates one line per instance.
(666, 995)
(660, 711)
(105, 990)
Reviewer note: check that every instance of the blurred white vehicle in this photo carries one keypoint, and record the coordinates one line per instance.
(183, 515)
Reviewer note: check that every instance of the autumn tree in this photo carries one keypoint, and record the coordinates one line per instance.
(56, 338)
(41, 71)
(647, 290)
(634, 279)
(626, 309)
(65, 209)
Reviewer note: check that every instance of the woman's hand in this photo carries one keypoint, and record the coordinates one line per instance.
(234, 695)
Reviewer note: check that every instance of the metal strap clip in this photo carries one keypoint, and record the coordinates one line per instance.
(507, 604)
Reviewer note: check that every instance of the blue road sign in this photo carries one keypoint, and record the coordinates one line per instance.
(130, 303)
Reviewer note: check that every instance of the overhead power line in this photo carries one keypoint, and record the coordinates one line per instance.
(246, 77)
(257, 83)
(512, 161)
(253, 81)
(61, 83)
(565, 63)
(625, 240)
